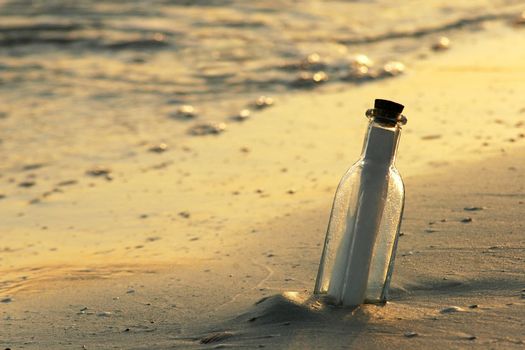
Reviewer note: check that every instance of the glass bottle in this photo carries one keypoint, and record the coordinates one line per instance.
(360, 245)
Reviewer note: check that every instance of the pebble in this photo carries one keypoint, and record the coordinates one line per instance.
(263, 102)
(67, 183)
(26, 184)
(160, 148)
(33, 166)
(104, 314)
(185, 112)
(6, 300)
(473, 306)
(308, 79)
(442, 44)
(208, 128)
(466, 220)
(360, 68)
(393, 68)
(473, 208)
(242, 115)
(451, 309)
(410, 334)
(98, 171)
(185, 214)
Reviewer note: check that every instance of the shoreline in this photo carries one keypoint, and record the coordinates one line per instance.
(199, 240)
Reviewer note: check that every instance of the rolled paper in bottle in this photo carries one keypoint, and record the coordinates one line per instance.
(349, 280)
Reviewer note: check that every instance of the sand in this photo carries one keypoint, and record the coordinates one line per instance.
(177, 249)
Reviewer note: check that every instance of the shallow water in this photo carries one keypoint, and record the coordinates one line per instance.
(86, 81)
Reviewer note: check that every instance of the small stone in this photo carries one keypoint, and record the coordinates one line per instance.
(104, 314)
(263, 102)
(473, 306)
(160, 148)
(309, 79)
(291, 191)
(393, 68)
(98, 171)
(33, 166)
(451, 309)
(466, 220)
(185, 112)
(26, 184)
(410, 334)
(185, 214)
(442, 44)
(67, 183)
(6, 300)
(130, 291)
(473, 208)
(242, 116)
(208, 128)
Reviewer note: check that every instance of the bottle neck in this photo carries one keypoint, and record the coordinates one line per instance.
(381, 142)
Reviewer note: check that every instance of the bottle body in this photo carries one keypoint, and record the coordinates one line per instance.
(363, 230)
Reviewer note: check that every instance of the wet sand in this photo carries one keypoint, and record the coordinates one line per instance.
(210, 226)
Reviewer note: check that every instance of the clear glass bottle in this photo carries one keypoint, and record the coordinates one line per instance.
(359, 250)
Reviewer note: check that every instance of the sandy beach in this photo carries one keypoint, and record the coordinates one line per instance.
(215, 242)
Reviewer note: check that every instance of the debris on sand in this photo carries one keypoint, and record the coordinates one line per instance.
(442, 44)
(360, 68)
(105, 314)
(451, 309)
(159, 148)
(33, 166)
(67, 183)
(185, 112)
(309, 79)
(208, 128)
(410, 334)
(98, 171)
(263, 102)
(242, 115)
(6, 300)
(393, 69)
(473, 208)
(185, 214)
(466, 220)
(26, 184)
